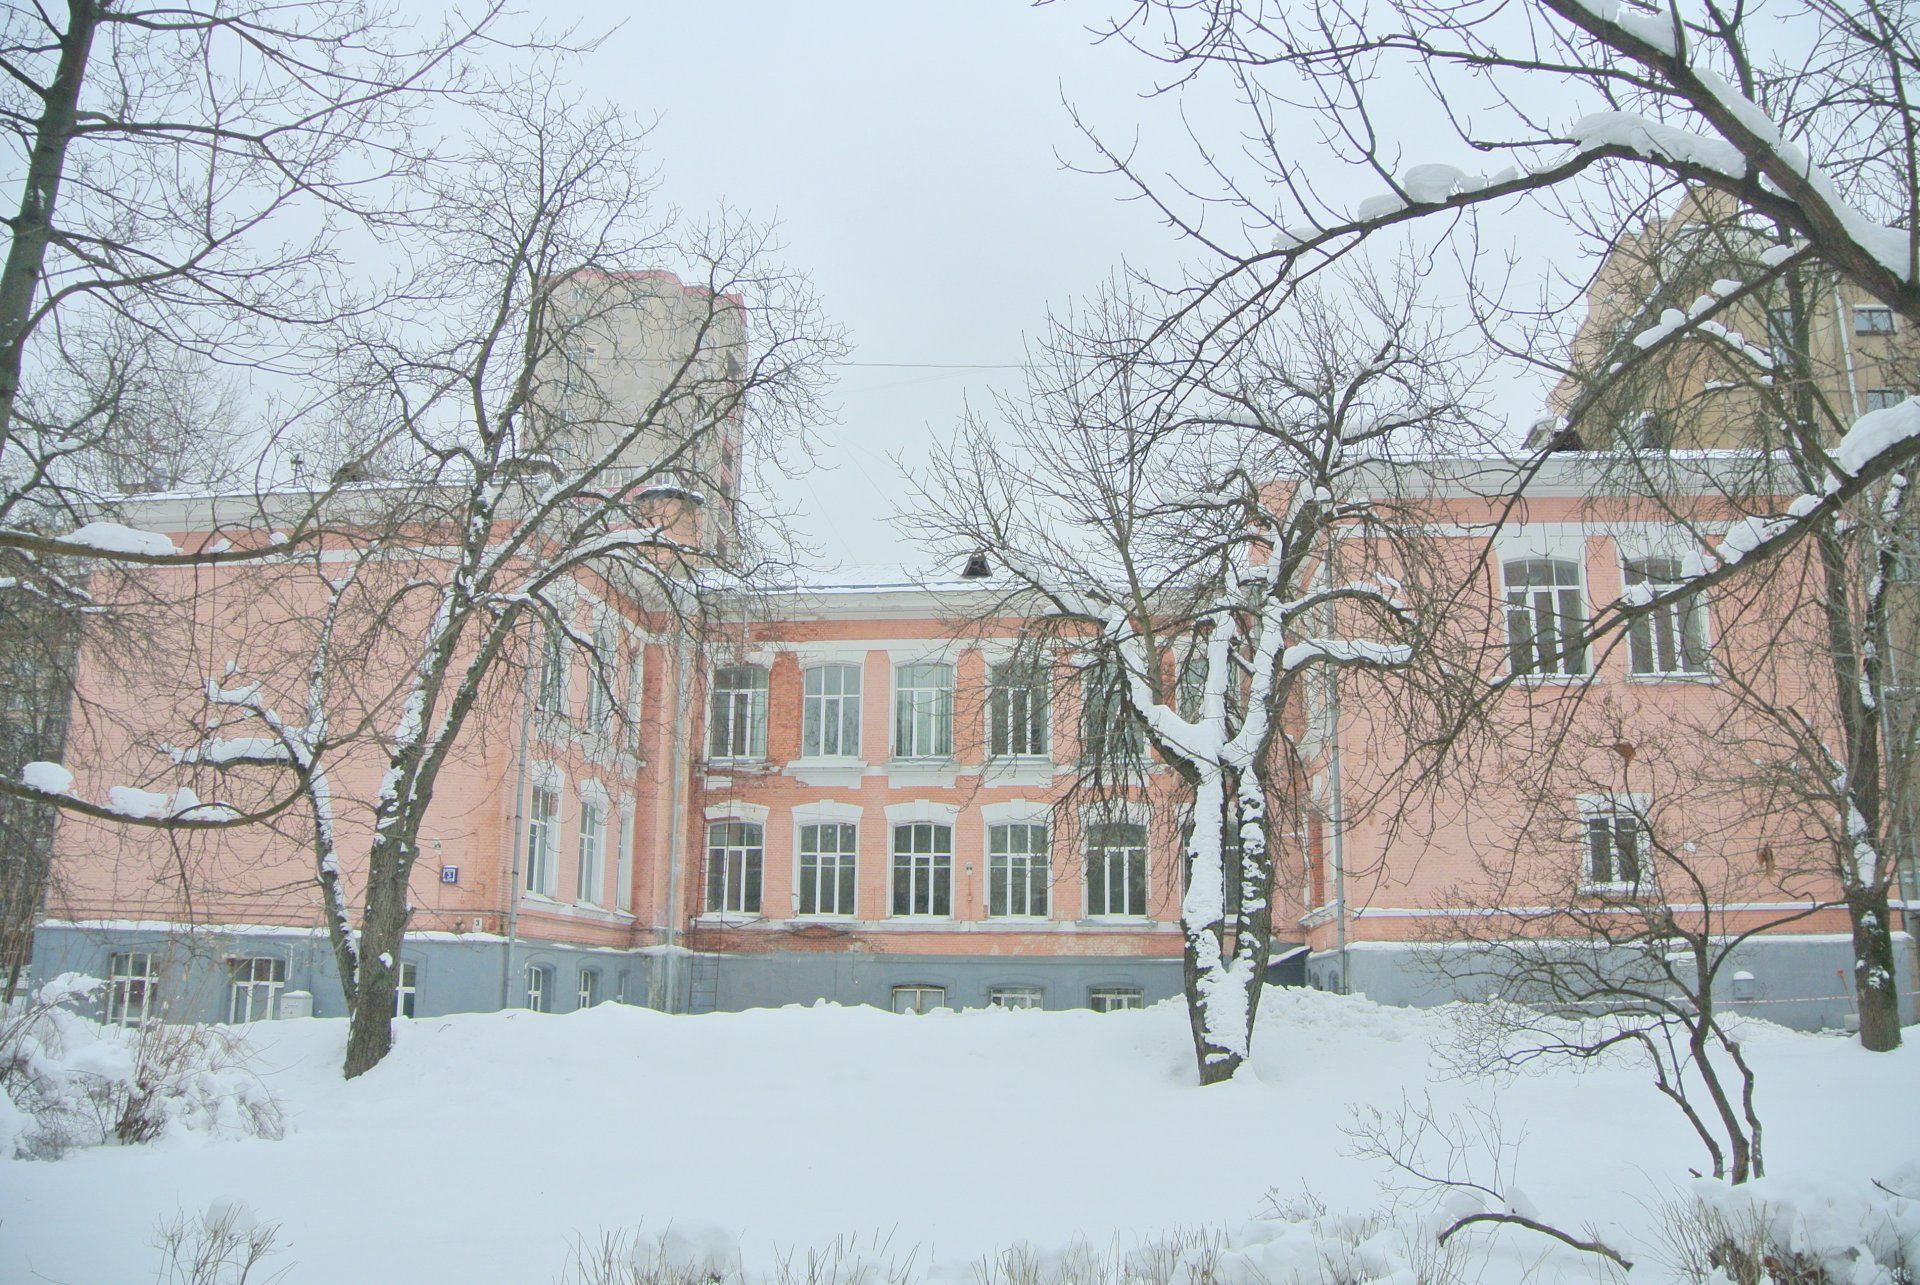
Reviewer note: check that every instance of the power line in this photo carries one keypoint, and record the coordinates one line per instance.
(932, 365)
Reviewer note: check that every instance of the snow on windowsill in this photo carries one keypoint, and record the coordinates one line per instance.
(1703, 676)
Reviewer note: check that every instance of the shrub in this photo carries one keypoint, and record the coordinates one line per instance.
(70, 1082)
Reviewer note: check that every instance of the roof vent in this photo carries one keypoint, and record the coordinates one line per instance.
(976, 568)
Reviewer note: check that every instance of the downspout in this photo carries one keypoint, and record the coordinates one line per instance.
(676, 825)
(1846, 351)
(519, 831)
(1336, 815)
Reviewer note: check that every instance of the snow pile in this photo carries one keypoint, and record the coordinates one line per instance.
(72, 1082)
(115, 537)
(1068, 1139)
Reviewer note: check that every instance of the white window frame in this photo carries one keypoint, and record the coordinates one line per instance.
(1555, 599)
(132, 975)
(606, 651)
(923, 710)
(636, 692)
(1115, 999)
(741, 881)
(550, 690)
(538, 979)
(737, 713)
(1883, 398)
(623, 869)
(1108, 734)
(1867, 319)
(1019, 713)
(929, 872)
(1017, 868)
(1610, 810)
(590, 846)
(836, 871)
(406, 988)
(924, 998)
(1103, 853)
(830, 710)
(1015, 997)
(1677, 631)
(543, 837)
(254, 998)
(586, 992)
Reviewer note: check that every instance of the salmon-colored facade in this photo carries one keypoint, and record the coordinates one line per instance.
(841, 795)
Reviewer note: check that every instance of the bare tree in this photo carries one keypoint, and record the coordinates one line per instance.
(561, 413)
(1618, 913)
(1842, 745)
(193, 177)
(1803, 121)
(1204, 535)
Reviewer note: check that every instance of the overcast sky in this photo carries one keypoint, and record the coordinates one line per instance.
(912, 155)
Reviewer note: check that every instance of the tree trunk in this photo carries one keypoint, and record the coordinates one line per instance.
(1874, 973)
(32, 224)
(1222, 984)
(370, 1028)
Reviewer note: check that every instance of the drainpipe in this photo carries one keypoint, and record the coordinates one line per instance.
(519, 829)
(1846, 350)
(676, 823)
(1336, 814)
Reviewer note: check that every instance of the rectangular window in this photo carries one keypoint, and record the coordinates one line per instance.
(1611, 848)
(1190, 680)
(255, 995)
(406, 989)
(133, 988)
(830, 712)
(552, 688)
(623, 873)
(1114, 999)
(1017, 711)
(1671, 639)
(919, 999)
(1109, 733)
(539, 983)
(923, 869)
(599, 687)
(1013, 997)
(827, 863)
(1018, 874)
(543, 833)
(1780, 334)
(1117, 871)
(1885, 398)
(736, 850)
(593, 852)
(589, 992)
(737, 713)
(636, 692)
(1546, 617)
(1872, 320)
(923, 711)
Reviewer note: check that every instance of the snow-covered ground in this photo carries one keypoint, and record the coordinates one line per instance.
(486, 1144)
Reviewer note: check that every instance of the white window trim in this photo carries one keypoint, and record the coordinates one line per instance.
(544, 775)
(1590, 806)
(827, 812)
(1557, 544)
(732, 810)
(592, 793)
(919, 812)
(893, 709)
(859, 695)
(1675, 548)
(765, 718)
(998, 814)
(1125, 812)
(623, 870)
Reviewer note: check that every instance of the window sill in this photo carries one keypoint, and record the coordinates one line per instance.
(845, 772)
(1550, 680)
(1117, 921)
(1701, 677)
(727, 919)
